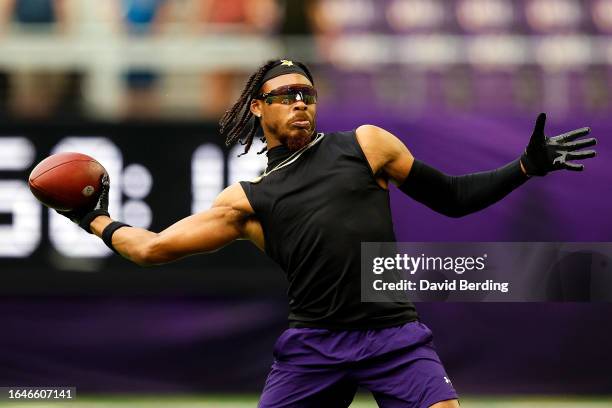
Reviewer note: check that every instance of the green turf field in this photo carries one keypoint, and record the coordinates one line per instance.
(362, 401)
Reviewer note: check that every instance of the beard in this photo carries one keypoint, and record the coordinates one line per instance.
(298, 141)
(293, 140)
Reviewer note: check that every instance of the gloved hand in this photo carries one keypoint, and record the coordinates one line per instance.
(545, 154)
(84, 217)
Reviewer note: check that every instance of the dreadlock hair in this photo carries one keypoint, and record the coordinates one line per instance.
(238, 123)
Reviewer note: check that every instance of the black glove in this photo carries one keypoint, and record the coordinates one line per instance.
(545, 154)
(84, 217)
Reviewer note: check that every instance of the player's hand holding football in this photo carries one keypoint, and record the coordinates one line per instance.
(544, 154)
(84, 217)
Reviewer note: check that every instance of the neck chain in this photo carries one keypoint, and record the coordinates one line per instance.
(291, 158)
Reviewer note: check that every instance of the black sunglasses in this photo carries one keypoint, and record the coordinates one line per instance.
(290, 94)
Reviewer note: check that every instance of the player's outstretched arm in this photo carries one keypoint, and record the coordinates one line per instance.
(229, 218)
(456, 196)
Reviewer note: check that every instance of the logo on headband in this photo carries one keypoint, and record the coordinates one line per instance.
(287, 63)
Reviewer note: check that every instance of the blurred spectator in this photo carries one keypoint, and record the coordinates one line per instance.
(45, 93)
(254, 17)
(554, 16)
(34, 15)
(141, 18)
(528, 88)
(296, 17)
(597, 88)
(4, 94)
(35, 92)
(327, 26)
(236, 16)
(458, 91)
(296, 28)
(417, 16)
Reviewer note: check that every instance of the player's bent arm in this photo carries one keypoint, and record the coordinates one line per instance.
(207, 231)
(454, 196)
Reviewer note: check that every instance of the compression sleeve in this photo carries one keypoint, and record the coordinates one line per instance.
(456, 196)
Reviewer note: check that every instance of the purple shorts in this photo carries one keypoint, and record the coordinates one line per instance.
(323, 368)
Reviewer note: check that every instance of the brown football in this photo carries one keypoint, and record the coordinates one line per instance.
(66, 181)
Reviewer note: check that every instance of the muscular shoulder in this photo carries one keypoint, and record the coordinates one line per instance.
(377, 141)
(238, 212)
(234, 198)
(384, 151)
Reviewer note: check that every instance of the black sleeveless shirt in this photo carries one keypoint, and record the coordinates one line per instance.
(315, 213)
